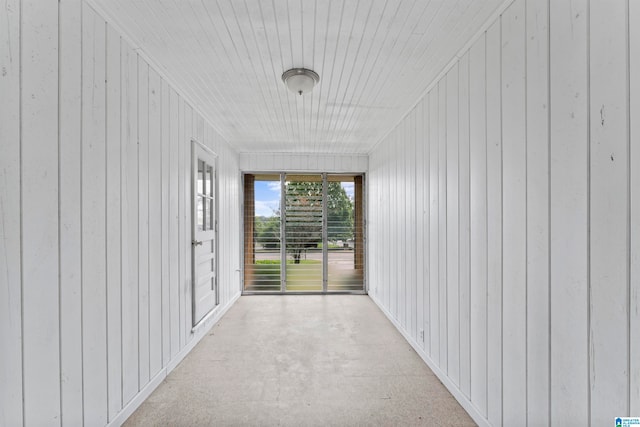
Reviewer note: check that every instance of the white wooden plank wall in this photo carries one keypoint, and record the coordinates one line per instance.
(494, 225)
(529, 237)
(464, 264)
(568, 129)
(182, 264)
(426, 209)
(478, 227)
(129, 252)
(413, 261)
(442, 220)
(609, 146)
(537, 187)
(174, 222)
(514, 219)
(70, 216)
(155, 230)
(420, 224)
(114, 221)
(634, 161)
(143, 221)
(185, 206)
(393, 224)
(39, 189)
(453, 283)
(11, 410)
(434, 261)
(277, 162)
(95, 219)
(165, 172)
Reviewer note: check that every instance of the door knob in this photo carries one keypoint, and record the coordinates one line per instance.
(196, 242)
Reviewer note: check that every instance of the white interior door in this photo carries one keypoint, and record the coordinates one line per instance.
(204, 234)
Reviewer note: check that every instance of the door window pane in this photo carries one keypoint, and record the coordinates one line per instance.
(209, 180)
(200, 177)
(200, 212)
(208, 220)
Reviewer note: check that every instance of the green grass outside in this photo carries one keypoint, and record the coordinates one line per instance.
(289, 261)
(300, 277)
(305, 276)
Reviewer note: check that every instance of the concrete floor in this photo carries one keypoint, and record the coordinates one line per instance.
(292, 360)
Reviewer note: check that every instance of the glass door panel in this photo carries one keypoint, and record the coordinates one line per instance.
(262, 254)
(304, 232)
(345, 244)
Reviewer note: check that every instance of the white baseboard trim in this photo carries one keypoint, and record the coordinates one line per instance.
(453, 389)
(202, 329)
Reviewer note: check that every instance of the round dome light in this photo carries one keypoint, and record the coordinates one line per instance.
(300, 80)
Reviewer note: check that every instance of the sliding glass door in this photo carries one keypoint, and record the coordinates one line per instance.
(303, 233)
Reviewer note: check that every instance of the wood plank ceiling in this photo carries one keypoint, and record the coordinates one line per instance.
(375, 59)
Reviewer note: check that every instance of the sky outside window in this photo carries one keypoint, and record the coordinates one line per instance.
(267, 196)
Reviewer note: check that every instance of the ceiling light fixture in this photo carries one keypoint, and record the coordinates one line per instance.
(300, 80)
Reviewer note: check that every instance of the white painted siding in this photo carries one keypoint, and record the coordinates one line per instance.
(95, 245)
(533, 206)
(39, 190)
(277, 162)
(634, 182)
(569, 275)
(11, 411)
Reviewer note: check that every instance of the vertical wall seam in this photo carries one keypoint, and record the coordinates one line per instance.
(427, 164)
(20, 108)
(469, 210)
(120, 240)
(486, 225)
(21, 198)
(471, 349)
(458, 195)
(526, 219)
(397, 158)
(437, 222)
(148, 160)
(549, 258)
(121, 221)
(501, 237)
(588, 230)
(414, 135)
(162, 230)
(170, 267)
(59, 234)
(81, 203)
(137, 95)
(430, 237)
(179, 230)
(628, 110)
(446, 234)
(106, 220)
